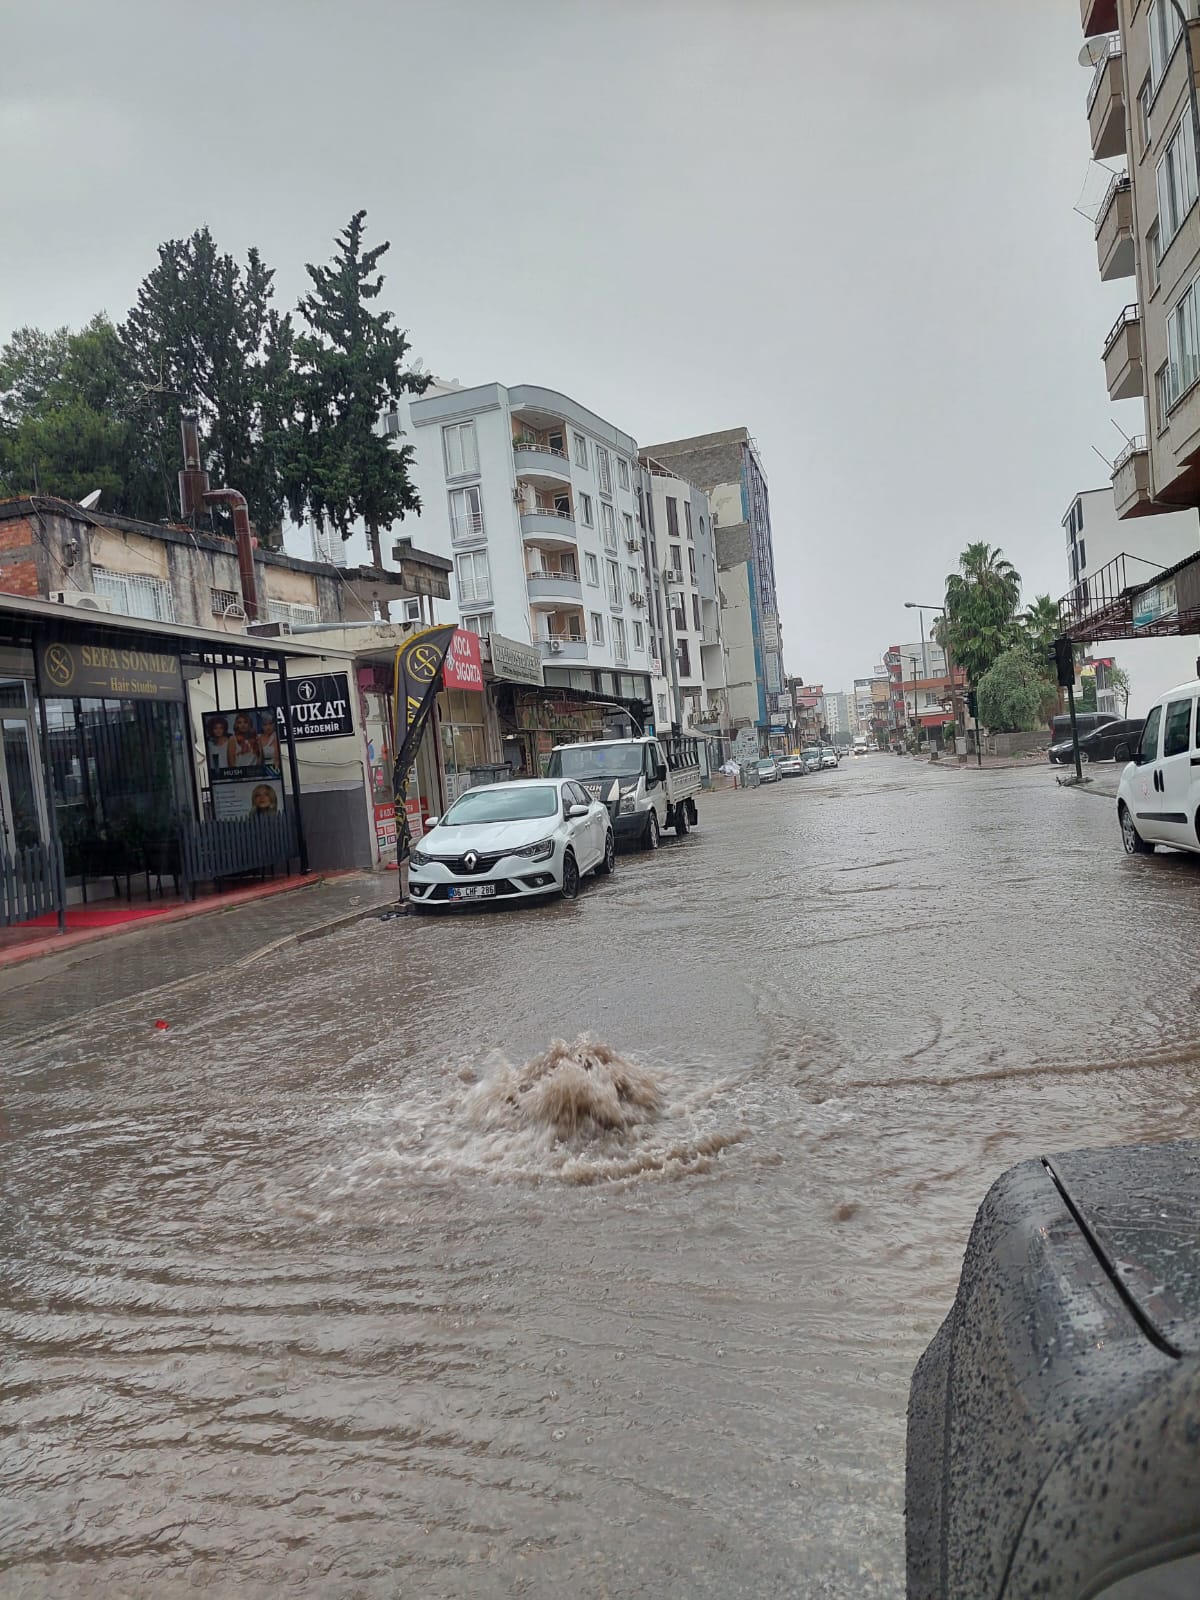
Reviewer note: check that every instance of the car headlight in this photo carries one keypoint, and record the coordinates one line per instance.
(536, 852)
(418, 858)
(629, 799)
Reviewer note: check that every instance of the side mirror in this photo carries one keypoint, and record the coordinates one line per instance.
(660, 773)
(578, 811)
(431, 822)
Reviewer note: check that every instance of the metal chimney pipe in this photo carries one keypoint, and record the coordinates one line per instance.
(236, 500)
(193, 480)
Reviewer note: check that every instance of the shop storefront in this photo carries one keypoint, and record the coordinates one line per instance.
(134, 752)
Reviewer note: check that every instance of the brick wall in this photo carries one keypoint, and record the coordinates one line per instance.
(18, 559)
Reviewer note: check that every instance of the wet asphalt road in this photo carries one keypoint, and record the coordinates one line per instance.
(307, 1297)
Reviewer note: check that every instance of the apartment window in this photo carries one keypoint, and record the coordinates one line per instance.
(702, 525)
(612, 582)
(222, 600)
(1183, 347)
(604, 470)
(672, 517)
(285, 611)
(687, 517)
(1164, 32)
(676, 559)
(136, 595)
(580, 445)
(632, 574)
(459, 449)
(639, 636)
(466, 515)
(696, 612)
(680, 615)
(1144, 98)
(692, 563)
(1082, 554)
(585, 510)
(627, 528)
(474, 578)
(618, 632)
(597, 628)
(480, 622)
(1162, 389)
(685, 660)
(591, 568)
(622, 472)
(1154, 250)
(608, 525)
(1177, 179)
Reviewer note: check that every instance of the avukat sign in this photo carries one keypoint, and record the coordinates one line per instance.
(418, 678)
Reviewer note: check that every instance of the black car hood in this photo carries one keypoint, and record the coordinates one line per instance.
(1139, 1206)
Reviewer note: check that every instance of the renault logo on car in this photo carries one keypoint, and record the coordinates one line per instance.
(471, 860)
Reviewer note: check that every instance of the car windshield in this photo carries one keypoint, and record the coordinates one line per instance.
(520, 803)
(600, 761)
(767, 761)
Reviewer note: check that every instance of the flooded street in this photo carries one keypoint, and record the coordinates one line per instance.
(342, 1287)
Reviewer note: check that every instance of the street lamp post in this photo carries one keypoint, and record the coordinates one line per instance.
(915, 717)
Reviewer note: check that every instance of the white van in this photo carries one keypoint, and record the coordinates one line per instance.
(1158, 801)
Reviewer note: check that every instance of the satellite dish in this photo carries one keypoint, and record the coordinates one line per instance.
(1094, 51)
(90, 501)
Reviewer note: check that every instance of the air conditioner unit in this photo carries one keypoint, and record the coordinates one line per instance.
(633, 544)
(673, 577)
(82, 601)
(412, 610)
(555, 646)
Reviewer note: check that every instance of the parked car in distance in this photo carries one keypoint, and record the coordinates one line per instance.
(512, 841)
(1052, 1420)
(1111, 741)
(811, 756)
(829, 757)
(1086, 721)
(790, 766)
(1158, 799)
(843, 750)
(768, 770)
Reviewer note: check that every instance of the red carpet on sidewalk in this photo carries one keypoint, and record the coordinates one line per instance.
(100, 916)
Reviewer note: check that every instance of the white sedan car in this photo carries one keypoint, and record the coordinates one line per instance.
(512, 841)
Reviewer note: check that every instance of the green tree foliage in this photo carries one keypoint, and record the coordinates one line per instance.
(1118, 679)
(350, 370)
(1014, 696)
(203, 334)
(70, 420)
(1041, 625)
(981, 604)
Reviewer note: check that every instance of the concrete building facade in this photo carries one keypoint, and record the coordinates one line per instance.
(727, 466)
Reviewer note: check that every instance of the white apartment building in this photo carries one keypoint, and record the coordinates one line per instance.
(535, 499)
(1100, 563)
(691, 689)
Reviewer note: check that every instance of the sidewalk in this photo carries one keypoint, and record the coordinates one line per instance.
(38, 994)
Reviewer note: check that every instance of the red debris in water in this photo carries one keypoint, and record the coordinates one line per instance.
(161, 1025)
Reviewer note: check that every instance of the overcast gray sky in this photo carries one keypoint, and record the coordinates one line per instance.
(846, 224)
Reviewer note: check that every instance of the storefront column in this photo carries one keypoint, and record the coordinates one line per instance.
(293, 765)
(60, 879)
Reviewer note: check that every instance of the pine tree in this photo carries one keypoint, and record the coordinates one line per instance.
(350, 371)
(203, 334)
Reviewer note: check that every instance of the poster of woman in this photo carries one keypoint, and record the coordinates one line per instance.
(261, 798)
(242, 744)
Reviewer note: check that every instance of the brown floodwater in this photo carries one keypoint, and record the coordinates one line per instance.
(354, 1284)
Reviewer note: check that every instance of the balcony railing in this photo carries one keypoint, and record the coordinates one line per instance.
(1129, 314)
(1135, 447)
(466, 530)
(1107, 48)
(1100, 606)
(521, 445)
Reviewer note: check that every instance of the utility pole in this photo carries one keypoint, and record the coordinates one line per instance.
(916, 719)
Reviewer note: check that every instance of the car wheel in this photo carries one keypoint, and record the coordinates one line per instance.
(570, 876)
(681, 820)
(1084, 758)
(610, 855)
(1121, 753)
(650, 837)
(1134, 844)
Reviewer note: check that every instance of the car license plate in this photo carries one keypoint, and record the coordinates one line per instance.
(474, 891)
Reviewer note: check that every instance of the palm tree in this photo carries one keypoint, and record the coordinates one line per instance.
(981, 603)
(1042, 625)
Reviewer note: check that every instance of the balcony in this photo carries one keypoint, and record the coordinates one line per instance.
(709, 638)
(1114, 231)
(1106, 100)
(1097, 16)
(541, 463)
(553, 589)
(1123, 366)
(550, 529)
(562, 647)
(1131, 480)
